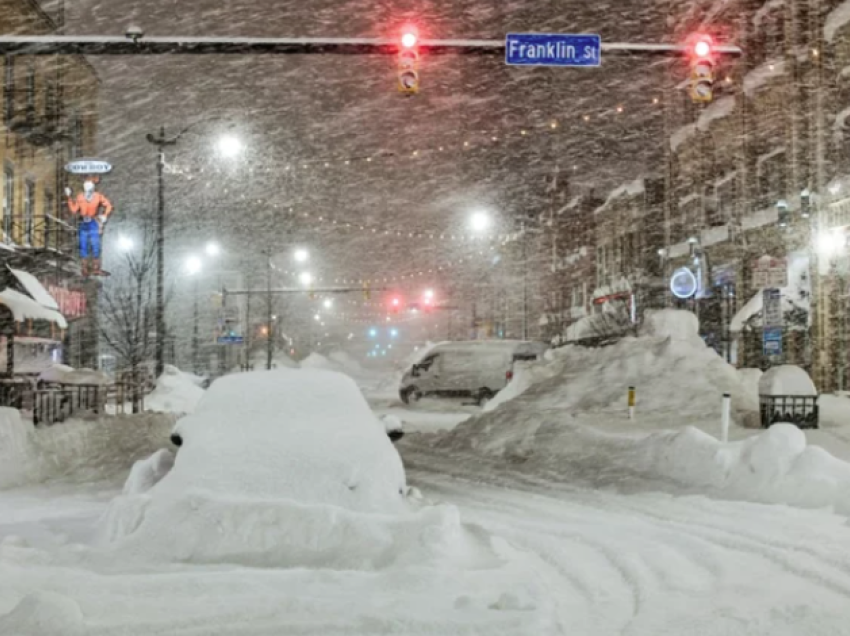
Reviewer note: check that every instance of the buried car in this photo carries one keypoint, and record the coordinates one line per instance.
(287, 467)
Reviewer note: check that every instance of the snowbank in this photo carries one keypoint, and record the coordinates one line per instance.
(175, 392)
(84, 450)
(284, 468)
(570, 420)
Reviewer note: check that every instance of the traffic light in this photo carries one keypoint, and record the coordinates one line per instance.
(783, 214)
(702, 69)
(408, 63)
(806, 203)
(395, 304)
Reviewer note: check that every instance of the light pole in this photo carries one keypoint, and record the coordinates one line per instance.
(193, 268)
(229, 147)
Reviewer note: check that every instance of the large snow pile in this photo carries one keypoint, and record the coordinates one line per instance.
(282, 468)
(571, 420)
(678, 379)
(85, 450)
(175, 392)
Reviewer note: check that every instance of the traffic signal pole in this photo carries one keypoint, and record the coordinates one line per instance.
(139, 44)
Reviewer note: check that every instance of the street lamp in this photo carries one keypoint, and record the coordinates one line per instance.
(301, 255)
(230, 146)
(193, 268)
(328, 303)
(479, 221)
(305, 278)
(213, 249)
(161, 142)
(125, 243)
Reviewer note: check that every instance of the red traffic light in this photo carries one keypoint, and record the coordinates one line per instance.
(702, 47)
(409, 39)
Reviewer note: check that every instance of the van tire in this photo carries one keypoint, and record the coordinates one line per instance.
(411, 395)
(484, 396)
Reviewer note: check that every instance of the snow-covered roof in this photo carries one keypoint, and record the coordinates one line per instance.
(761, 75)
(718, 109)
(836, 19)
(766, 8)
(24, 308)
(35, 289)
(632, 188)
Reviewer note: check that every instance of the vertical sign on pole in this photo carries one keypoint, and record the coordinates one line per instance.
(773, 323)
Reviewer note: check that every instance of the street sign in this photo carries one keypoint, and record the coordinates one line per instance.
(88, 166)
(231, 340)
(772, 341)
(772, 308)
(553, 49)
(770, 272)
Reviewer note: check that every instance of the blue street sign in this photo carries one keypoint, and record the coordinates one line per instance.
(231, 340)
(553, 49)
(772, 341)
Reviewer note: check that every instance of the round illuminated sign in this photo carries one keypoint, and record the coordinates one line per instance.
(88, 166)
(683, 283)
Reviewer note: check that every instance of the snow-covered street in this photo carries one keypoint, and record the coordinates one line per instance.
(606, 563)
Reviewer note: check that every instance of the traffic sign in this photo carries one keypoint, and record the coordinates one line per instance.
(231, 340)
(772, 341)
(770, 272)
(553, 49)
(772, 308)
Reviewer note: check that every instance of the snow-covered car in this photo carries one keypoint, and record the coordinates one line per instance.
(281, 458)
(476, 368)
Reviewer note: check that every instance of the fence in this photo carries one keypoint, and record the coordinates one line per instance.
(57, 403)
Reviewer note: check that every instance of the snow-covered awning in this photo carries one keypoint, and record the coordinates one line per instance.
(796, 296)
(25, 308)
(35, 289)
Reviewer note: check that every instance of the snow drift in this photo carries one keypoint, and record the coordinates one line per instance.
(175, 392)
(570, 420)
(77, 449)
(282, 468)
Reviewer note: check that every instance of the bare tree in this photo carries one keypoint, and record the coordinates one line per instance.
(126, 323)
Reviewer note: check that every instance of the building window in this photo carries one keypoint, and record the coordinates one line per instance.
(9, 89)
(29, 212)
(31, 93)
(724, 202)
(771, 173)
(76, 136)
(49, 225)
(8, 201)
(51, 104)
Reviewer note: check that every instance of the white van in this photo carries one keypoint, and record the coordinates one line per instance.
(477, 368)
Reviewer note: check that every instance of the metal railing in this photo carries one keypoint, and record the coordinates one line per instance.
(56, 403)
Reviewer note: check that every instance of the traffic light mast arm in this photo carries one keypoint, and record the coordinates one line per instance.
(145, 45)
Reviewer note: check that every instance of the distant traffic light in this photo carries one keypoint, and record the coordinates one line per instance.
(395, 304)
(408, 63)
(428, 299)
(702, 69)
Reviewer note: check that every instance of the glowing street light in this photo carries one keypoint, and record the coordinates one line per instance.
(193, 265)
(305, 278)
(479, 221)
(125, 243)
(301, 255)
(230, 146)
(213, 249)
(328, 303)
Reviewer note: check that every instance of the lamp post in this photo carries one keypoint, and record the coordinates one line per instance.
(229, 147)
(193, 268)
